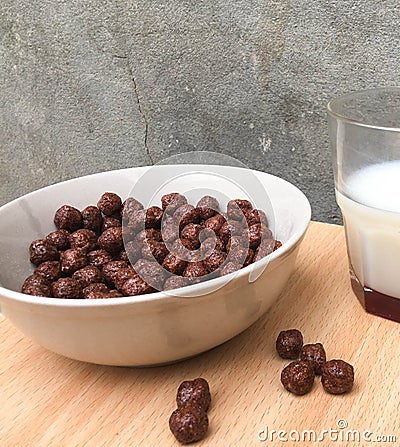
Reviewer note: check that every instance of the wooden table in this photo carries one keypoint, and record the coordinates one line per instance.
(47, 400)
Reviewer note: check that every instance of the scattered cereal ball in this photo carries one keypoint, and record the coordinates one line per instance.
(289, 344)
(298, 377)
(59, 238)
(68, 288)
(136, 286)
(175, 282)
(94, 290)
(92, 219)
(315, 354)
(36, 285)
(110, 270)
(122, 275)
(109, 203)
(337, 377)
(188, 424)
(50, 270)
(266, 247)
(84, 239)
(214, 260)
(195, 270)
(129, 207)
(110, 222)
(41, 251)
(111, 240)
(230, 267)
(88, 275)
(208, 206)
(173, 264)
(195, 392)
(68, 218)
(98, 258)
(170, 202)
(71, 260)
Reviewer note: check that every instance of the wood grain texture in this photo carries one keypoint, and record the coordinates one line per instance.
(47, 400)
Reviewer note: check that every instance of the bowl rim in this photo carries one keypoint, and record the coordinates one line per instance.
(215, 283)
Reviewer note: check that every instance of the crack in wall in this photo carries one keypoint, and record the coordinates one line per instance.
(142, 114)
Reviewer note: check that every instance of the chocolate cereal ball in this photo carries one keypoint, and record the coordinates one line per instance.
(129, 207)
(186, 214)
(122, 275)
(111, 269)
(84, 239)
(94, 290)
(298, 377)
(110, 222)
(214, 260)
(67, 288)
(190, 236)
(208, 206)
(111, 240)
(236, 209)
(109, 203)
(195, 270)
(173, 264)
(150, 233)
(215, 223)
(68, 218)
(211, 243)
(133, 251)
(266, 247)
(195, 392)
(169, 229)
(175, 282)
(154, 250)
(50, 270)
(337, 376)
(151, 272)
(136, 286)
(154, 216)
(229, 229)
(170, 202)
(230, 267)
(256, 217)
(72, 260)
(59, 238)
(289, 344)
(188, 424)
(41, 251)
(98, 258)
(36, 285)
(92, 219)
(137, 221)
(88, 275)
(315, 354)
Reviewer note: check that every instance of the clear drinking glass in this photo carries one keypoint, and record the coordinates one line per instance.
(364, 130)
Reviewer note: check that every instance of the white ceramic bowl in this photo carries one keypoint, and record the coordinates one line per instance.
(149, 329)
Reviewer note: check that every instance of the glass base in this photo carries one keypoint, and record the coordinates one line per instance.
(375, 302)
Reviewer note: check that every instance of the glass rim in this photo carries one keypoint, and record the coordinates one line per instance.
(337, 115)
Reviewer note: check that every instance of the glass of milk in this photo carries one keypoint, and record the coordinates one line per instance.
(364, 129)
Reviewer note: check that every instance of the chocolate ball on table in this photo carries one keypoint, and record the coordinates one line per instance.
(298, 377)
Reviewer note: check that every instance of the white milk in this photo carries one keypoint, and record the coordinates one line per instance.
(372, 221)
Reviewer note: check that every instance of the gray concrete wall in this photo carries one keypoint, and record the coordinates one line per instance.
(94, 85)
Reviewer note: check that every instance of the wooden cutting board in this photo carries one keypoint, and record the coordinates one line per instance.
(47, 400)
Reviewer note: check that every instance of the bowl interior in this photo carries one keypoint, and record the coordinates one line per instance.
(31, 217)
